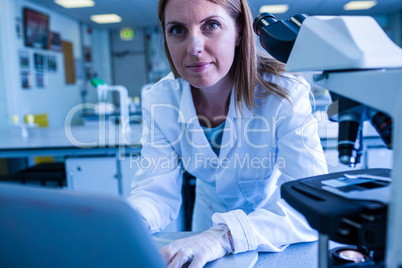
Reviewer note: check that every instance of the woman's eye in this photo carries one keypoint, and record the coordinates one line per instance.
(212, 25)
(177, 30)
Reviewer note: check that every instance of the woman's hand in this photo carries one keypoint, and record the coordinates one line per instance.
(199, 249)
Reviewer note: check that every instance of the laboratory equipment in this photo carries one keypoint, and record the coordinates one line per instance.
(362, 68)
(135, 105)
(346, 207)
(279, 37)
(103, 89)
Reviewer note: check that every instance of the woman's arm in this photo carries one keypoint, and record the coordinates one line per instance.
(156, 187)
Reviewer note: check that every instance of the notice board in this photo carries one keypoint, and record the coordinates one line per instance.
(69, 69)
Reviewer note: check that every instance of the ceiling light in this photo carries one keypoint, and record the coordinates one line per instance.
(359, 5)
(274, 9)
(106, 18)
(75, 3)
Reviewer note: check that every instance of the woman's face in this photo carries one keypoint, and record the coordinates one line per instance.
(201, 38)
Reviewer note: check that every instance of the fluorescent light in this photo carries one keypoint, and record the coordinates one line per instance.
(106, 18)
(359, 5)
(274, 9)
(75, 3)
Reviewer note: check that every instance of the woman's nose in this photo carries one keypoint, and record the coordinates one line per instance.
(195, 45)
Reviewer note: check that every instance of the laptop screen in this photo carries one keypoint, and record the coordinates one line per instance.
(58, 228)
(42, 227)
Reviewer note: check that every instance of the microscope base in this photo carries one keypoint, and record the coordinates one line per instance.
(347, 221)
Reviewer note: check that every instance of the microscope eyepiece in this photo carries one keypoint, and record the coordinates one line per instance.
(262, 20)
(277, 36)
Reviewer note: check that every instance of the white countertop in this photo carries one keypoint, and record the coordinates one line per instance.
(76, 136)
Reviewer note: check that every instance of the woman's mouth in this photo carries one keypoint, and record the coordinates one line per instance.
(199, 66)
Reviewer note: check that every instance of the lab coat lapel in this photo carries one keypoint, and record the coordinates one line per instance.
(233, 125)
(194, 134)
(187, 108)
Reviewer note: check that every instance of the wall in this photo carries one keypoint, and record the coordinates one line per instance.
(392, 25)
(3, 47)
(139, 61)
(100, 65)
(129, 62)
(57, 97)
(395, 22)
(157, 59)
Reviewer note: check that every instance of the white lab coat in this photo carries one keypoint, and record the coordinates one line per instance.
(261, 149)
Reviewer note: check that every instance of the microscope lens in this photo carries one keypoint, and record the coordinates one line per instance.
(349, 142)
(352, 255)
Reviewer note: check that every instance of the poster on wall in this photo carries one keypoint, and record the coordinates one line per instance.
(39, 62)
(24, 59)
(36, 29)
(55, 41)
(18, 27)
(78, 67)
(87, 54)
(40, 80)
(51, 63)
(25, 80)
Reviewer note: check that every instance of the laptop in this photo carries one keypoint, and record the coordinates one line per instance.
(42, 227)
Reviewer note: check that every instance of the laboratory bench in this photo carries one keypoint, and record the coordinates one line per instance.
(98, 158)
(75, 140)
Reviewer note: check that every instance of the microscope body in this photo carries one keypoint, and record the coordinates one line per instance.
(357, 61)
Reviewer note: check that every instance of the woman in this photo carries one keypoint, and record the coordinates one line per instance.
(234, 119)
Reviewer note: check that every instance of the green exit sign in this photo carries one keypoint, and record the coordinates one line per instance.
(127, 34)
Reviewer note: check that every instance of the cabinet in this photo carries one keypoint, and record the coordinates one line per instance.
(93, 174)
(108, 175)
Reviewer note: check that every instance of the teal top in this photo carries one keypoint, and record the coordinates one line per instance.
(214, 137)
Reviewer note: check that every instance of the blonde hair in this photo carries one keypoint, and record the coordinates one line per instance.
(249, 63)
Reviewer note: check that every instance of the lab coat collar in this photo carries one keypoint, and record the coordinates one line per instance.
(189, 114)
(187, 108)
(235, 113)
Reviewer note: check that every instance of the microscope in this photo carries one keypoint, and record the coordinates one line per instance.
(362, 68)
